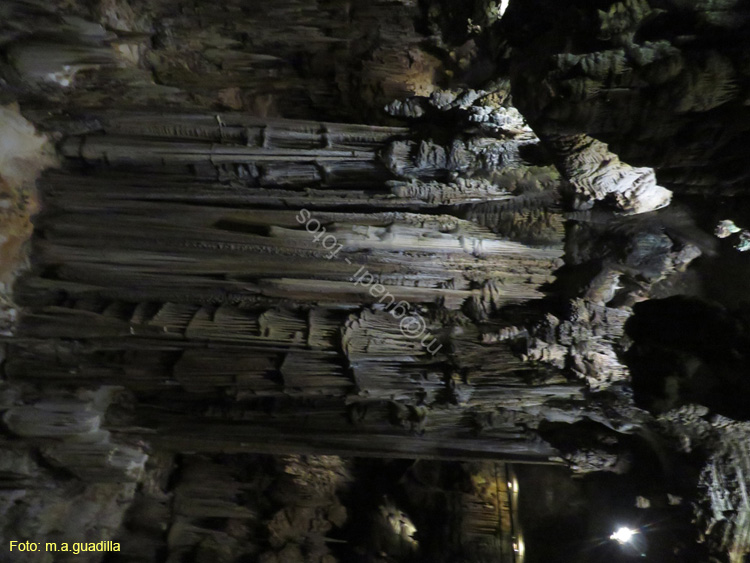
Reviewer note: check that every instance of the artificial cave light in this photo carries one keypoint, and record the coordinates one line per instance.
(623, 535)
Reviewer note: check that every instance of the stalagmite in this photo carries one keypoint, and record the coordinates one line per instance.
(320, 280)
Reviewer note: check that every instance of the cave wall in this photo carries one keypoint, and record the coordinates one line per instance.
(312, 228)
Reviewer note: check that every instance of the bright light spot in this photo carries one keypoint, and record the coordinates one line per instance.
(503, 6)
(400, 523)
(623, 535)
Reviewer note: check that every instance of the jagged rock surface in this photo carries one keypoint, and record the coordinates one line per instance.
(222, 251)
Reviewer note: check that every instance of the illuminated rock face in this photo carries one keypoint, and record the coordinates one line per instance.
(23, 155)
(283, 239)
(655, 80)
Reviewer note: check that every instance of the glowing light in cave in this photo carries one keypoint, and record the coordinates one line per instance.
(623, 535)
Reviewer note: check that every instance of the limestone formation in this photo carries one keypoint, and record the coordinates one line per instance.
(319, 280)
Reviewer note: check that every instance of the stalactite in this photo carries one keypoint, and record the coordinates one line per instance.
(251, 266)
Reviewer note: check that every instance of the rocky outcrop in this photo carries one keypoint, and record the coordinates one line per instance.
(23, 155)
(663, 83)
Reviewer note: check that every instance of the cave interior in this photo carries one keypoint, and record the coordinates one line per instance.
(378, 281)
